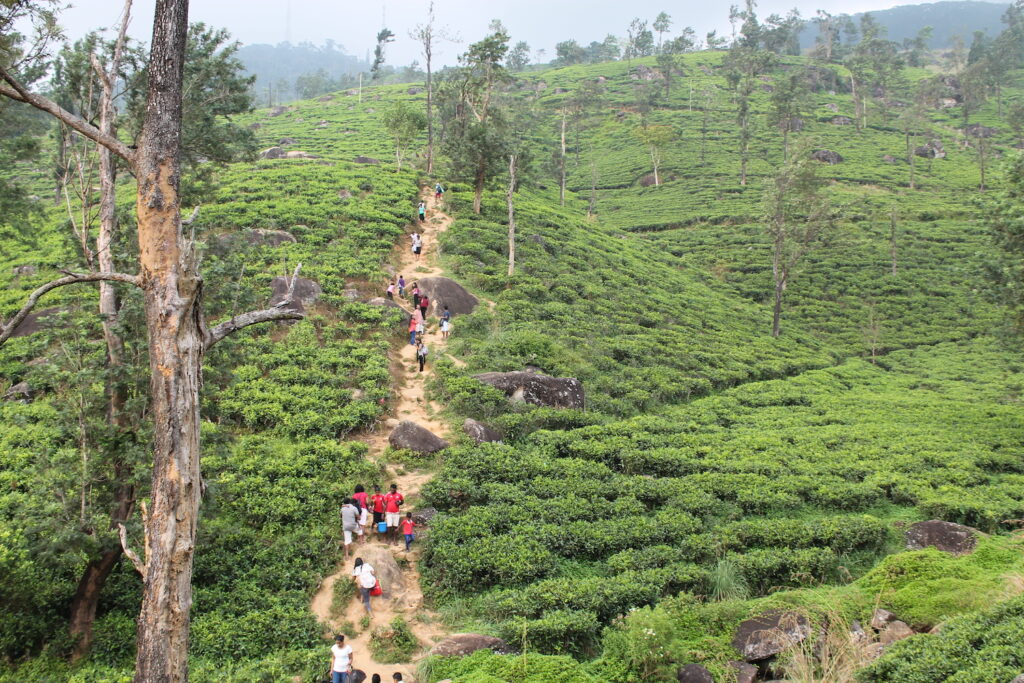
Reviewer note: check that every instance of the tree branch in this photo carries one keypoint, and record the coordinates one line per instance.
(6, 330)
(140, 566)
(278, 312)
(12, 88)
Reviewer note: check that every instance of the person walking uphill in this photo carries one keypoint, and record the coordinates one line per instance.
(423, 212)
(349, 523)
(413, 323)
(341, 661)
(393, 502)
(424, 305)
(438, 191)
(421, 354)
(366, 579)
(401, 285)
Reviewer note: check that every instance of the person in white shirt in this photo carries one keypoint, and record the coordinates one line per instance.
(341, 661)
(366, 579)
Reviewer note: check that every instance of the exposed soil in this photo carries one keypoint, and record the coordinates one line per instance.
(410, 403)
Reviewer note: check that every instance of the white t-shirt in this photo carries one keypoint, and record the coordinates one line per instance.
(367, 579)
(342, 657)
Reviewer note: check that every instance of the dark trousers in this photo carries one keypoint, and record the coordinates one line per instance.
(423, 311)
(422, 360)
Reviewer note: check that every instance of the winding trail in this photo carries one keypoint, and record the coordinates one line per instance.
(410, 404)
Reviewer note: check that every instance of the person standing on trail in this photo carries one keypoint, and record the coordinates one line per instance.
(446, 323)
(391, 291)
(377, 502)
(424, 305)
(423, 212)
(438, 191)
(366, 579)
(415, 295)
(359, 496)
(421, 354)
(421, 326)
(392, 511)
(412, 329)
(341, 661)
(408, 527)
(349, 523)
(401, 285)
(417, 245)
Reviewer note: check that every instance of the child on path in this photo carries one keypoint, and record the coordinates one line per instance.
(391, 291)
(401, 285)
(366, 579)
(423, 212)
(407, 530)
(415, 295)
(421, 354)
(446, 323)
(412, 330)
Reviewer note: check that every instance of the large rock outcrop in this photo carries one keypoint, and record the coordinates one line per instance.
(537, 389)
(769, 634)
(946, 536)
(392, 579)
(267, 237)
(34, 322)
(462, 644)
(827, 156)
(273, 153)
(694, 673)
(479, 432)
(306, 292)
(446, 292)
(410, 436)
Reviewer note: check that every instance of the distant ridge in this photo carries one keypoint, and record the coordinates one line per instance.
(948, 19)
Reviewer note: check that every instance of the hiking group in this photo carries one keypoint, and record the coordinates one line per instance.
(386, 510)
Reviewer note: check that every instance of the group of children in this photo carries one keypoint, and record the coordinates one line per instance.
(387, 517)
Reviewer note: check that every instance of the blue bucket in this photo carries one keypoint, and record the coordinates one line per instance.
(382, 527)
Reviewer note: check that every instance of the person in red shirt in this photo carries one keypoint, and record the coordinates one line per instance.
(377, 503)
(392, 503)
(407, 530)
(360, 496)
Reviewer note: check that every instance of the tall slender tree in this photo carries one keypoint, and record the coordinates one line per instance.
(178, 337)
(428, 35)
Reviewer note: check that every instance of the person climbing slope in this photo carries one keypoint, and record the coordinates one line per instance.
(401, 285)
(423, 212)
(438, 191)
(408, 530)
(366, 579)
(393, 502)
(424, 305)
(421, 354)
(413, 324)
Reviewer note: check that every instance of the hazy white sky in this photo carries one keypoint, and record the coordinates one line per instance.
(354, 23)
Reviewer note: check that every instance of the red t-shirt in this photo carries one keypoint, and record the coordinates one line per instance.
(378, 502)
(361, 497)
(407, 525)
(392, 501)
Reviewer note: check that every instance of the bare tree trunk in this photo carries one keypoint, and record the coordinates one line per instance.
(511, 215)
(561, 164)
(592, 206)
(911, 162)
(428, 53)
(654, 163)
(478, 189)
(779, 277)
(780, 287)
(86, 599)
(892, 238)
(173, 303)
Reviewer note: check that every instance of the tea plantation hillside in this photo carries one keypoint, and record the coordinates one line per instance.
(716, 473)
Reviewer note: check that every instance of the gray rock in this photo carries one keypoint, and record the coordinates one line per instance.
(344, 194)
(827, 156)
(462, 644)
(858, 633)
(536, 389)
(271, 238)
(446, 292)
(841, 121)
(976, 130)
(479, 432)
(932, 150)
(949, 537)
(299, 154)
(27, 269)
(423, 516)
(385, 567)
(286, 141)
(832, 107)
(873, 651)
(694, 673)
(306, 292)
(34, 322)
(19, 392)
(350, 294)
(277, 111)
(273, 153)
(1018, 679)
(366, 160)
(882, 618)
(414, 90)
(769, 634)
(896, 630)
(644, 73)
(410, 436)
(745, 673)
(890, 159)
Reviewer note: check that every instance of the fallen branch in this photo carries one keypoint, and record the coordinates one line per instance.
(278, 312)
(7, 329)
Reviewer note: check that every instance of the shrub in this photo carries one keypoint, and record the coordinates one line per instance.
(394, 642)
